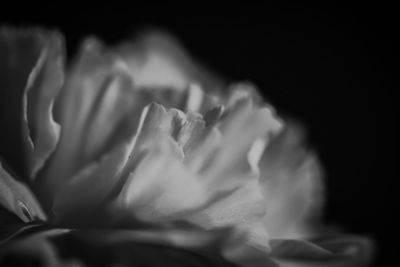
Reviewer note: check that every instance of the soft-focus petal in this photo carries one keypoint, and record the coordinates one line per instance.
(31, 74)
(240, 128)
(18, 199)
(44, 82)
(157, 60)
(332, 252)
(241, 209)
(95, 110)
(291, 177)
(90, 188)
(107, 248)
(35, 250)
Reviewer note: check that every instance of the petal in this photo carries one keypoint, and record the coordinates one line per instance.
(18, 199)
(191, 238)
(156, 173)
(97, 109)
(292, 184)
(162, 247)
(90, 189)
(44, 82)
(241, 127)
(9, 232)
(336, 251)
(30, 77)
(242, 209)
(35, 250)
(156, 59)
(241, 91)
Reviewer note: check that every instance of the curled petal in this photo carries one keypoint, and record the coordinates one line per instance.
(44, 82)
(18, 199)
(31, 74)
(97, 110)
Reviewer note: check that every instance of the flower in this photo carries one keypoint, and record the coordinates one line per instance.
(136, 149)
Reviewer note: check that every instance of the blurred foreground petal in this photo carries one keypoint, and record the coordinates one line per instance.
(340, 251)
(107, 248)
(34, 250)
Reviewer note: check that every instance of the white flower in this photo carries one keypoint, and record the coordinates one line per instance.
(142, 145)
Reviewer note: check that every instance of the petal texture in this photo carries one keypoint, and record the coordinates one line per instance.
(31, 74)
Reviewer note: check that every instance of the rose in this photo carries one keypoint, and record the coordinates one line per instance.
(135, 146)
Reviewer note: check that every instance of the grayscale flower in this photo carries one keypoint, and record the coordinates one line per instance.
(137, 155)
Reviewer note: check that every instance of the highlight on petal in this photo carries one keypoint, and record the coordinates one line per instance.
(18, 199)
(292, 181)
(43, 85)
(155, 170)
(150, 139)
(96, 109)
(31, 74)
(174, 149)
(243, 125)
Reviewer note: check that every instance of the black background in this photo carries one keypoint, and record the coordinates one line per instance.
(330, 67)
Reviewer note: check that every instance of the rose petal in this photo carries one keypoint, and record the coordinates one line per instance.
(18, 199)
(291, 178)
(242, 209)
(10, 229)
(90, 189)
(43, 84)
(359, 249)
(162, 247)
(35, 250)
(30, 77)
(97, 110)
(152, 191)
(241, 127)
(347, 252)
(156, 59)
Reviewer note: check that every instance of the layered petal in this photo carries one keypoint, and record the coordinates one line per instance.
(31, 75)
(155, 170)
(97, 110)
(91, 188)
(175, 150)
